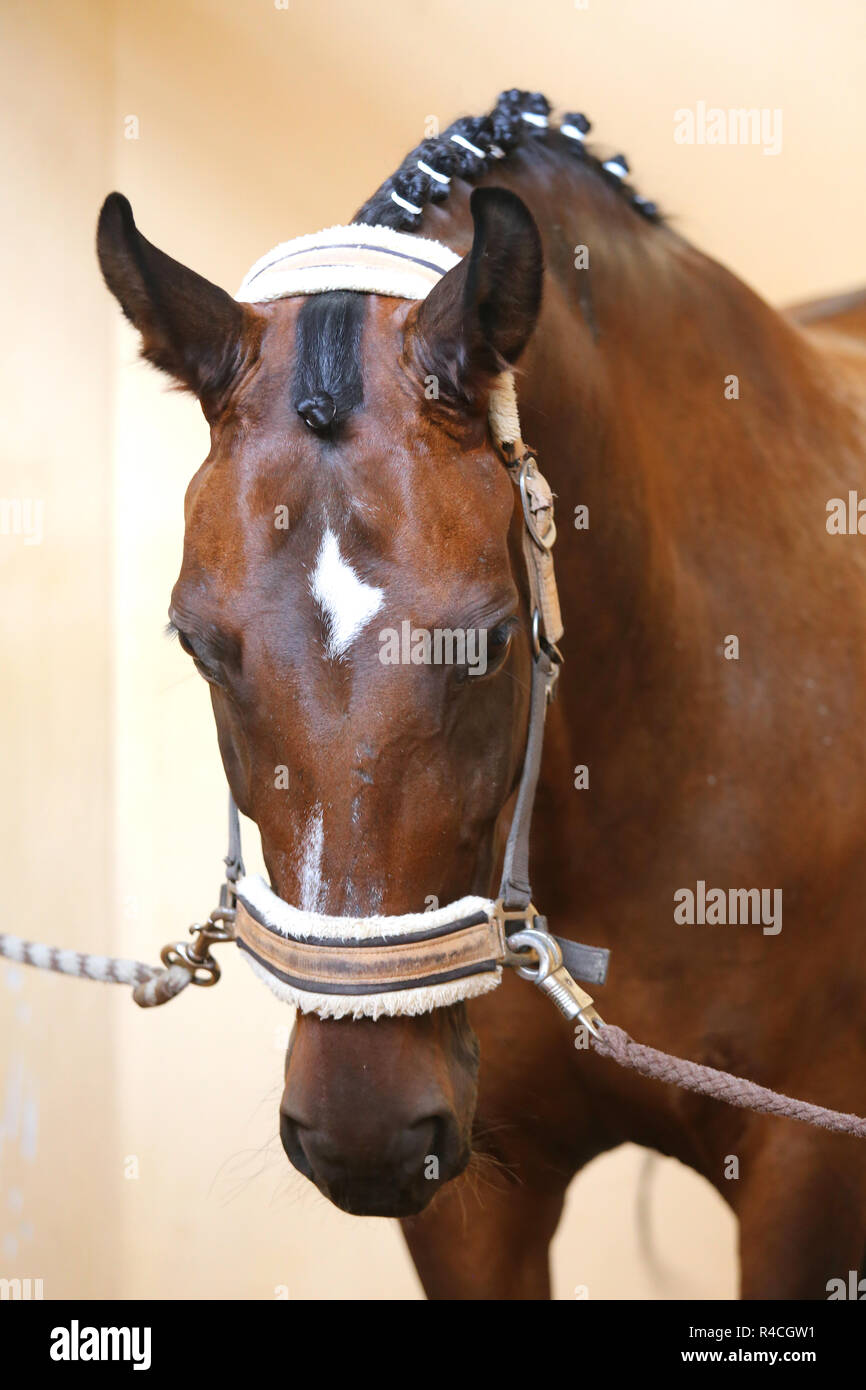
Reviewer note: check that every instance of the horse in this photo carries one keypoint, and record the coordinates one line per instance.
(705, 727)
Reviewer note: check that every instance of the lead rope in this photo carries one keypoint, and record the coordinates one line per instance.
(152, 985)
(191, 962)
(183, 962)
(552, 977)
(616, 1044)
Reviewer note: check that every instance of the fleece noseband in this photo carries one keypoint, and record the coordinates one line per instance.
(410, 964)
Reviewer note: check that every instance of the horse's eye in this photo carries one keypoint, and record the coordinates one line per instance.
(498, 645)
(491, 651)
(499, 639)
(206, 668)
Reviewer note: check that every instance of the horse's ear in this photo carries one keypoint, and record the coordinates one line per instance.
(479, 317)
(189, 327)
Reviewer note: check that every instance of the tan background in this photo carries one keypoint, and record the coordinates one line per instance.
(258, 123)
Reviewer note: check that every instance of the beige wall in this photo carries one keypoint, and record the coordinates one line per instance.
(258, 123)
(59, 1067)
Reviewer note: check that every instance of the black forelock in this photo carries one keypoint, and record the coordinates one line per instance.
(328, 384)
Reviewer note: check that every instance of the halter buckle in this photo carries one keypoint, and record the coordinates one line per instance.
(529, 471)
(526, 916)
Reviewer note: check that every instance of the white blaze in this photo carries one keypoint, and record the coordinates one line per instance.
(346, 601)
(311, 864)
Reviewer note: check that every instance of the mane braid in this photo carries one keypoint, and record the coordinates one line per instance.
(472, 146)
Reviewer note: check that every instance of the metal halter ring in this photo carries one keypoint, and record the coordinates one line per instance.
(536, 632)
(540, 644)
(544, 543)
(546, 949)
(552, 977)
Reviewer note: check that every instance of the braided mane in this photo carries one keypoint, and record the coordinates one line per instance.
(472, 145)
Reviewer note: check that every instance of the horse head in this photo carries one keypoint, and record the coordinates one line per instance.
(352, 488)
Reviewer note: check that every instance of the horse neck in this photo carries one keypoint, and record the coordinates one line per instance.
(622, 391)
(654, 391)
(690, 494)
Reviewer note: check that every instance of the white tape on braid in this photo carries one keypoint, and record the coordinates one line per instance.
(431, 173)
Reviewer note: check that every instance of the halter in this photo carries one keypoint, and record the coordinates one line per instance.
(410, 964)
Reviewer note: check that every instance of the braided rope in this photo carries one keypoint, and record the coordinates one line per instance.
(720, 1085)
(152, 984)
(164, 984)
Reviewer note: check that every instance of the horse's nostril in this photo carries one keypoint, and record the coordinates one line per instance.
(387, 1156)
(291, 1136)
(417, 1156)
(439, 1153)
(422, 1149)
